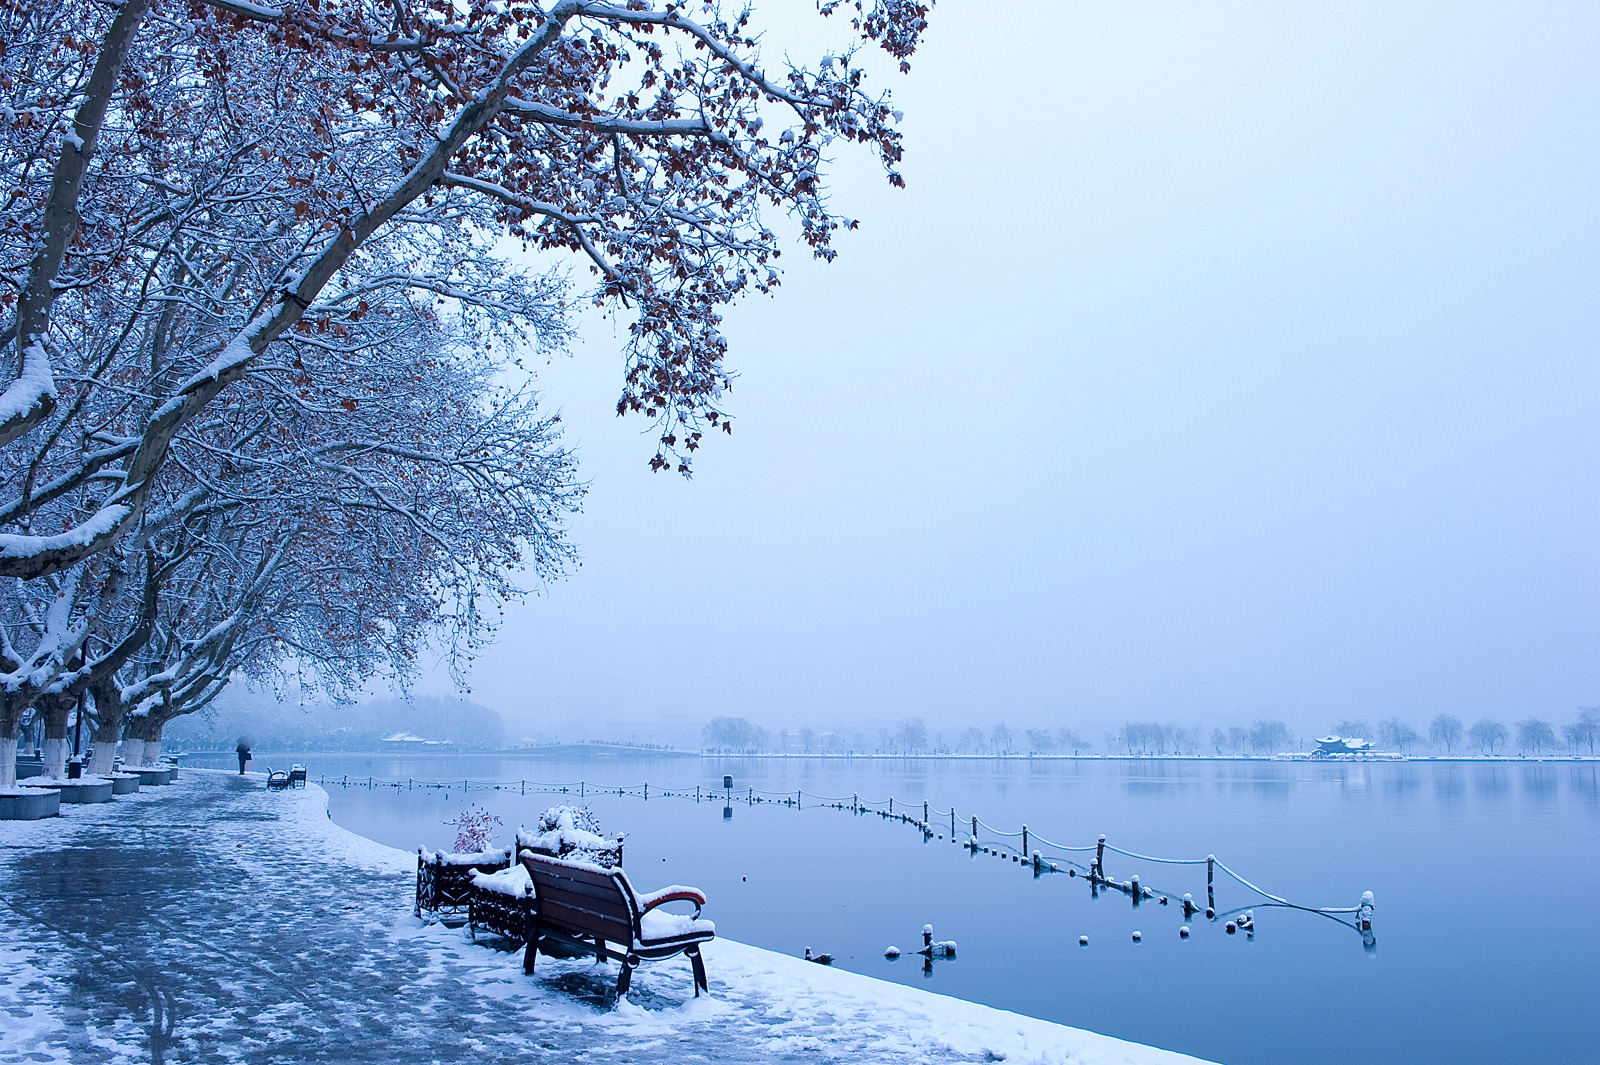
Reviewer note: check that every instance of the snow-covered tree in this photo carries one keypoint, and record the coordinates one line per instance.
(1487, 735)
(1270, 737)
(347, 532)
(1535, 736)
(268, 167)
(1445, 732)
(1397, 735)
(209, 196)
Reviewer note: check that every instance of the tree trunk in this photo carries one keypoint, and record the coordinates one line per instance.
(55, 712)
(142, 747)
(108, 716)
(10, 722)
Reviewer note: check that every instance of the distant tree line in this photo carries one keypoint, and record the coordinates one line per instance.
(1446, 735)
(274, 726)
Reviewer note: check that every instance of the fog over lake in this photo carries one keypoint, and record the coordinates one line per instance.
(1217, 362)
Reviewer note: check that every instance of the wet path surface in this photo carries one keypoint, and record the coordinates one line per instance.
(212, 921)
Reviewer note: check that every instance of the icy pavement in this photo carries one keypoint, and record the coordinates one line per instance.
(213, 921)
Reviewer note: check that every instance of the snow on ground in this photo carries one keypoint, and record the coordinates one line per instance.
(213, 920)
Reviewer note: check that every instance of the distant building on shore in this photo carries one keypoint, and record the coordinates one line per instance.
(1340, 745)
(405, 741)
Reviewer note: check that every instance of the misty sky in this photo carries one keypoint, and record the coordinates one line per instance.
(1220, 361)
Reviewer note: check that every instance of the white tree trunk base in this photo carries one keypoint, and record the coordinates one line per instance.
(8, 762)
(55, 757)
(132, 752)
(152, 752)
(100, 761)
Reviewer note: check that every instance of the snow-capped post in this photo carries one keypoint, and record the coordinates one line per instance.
(1135, 890)
(1364, 911)
(1024, 841)
(1100, 858)
(974, 832)
(1211, 873)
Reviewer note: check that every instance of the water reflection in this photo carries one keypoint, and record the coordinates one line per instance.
(1401, 784)
(1585, 782)
(1449, 784)
(1491, 781)
(1539, 782)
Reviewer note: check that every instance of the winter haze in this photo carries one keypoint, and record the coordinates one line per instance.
(1219, 361)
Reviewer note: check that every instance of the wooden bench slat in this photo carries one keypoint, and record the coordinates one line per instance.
(550, 901)
(584, 923)
(612, 907)
(607, 890)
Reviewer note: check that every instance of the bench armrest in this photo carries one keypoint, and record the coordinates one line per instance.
(675, 893)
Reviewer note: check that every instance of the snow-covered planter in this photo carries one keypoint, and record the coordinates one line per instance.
(510, 881)
(571, 833)
(502, 903)
(444, 879)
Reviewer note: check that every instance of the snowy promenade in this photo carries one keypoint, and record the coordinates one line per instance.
(212, 921)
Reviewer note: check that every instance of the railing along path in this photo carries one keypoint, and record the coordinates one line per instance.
(1040, 861)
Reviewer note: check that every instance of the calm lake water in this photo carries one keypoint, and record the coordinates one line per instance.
(1487, 876)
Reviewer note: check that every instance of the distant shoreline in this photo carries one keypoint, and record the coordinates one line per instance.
(850, 756)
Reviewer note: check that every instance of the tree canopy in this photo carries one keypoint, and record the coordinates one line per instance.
(265, 272)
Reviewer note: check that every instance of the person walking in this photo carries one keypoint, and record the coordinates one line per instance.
(244, 754)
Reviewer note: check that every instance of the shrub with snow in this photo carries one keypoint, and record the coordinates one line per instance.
(472, 829)
(573, 833)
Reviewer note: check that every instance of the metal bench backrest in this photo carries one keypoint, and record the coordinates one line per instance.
(596, 902)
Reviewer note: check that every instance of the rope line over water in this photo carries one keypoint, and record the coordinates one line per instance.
(1039, 860)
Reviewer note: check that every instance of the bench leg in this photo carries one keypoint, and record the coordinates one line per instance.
(530, 953)
(698, 964)
(625, 977)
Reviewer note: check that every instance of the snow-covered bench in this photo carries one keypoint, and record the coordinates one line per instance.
(597, 908)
